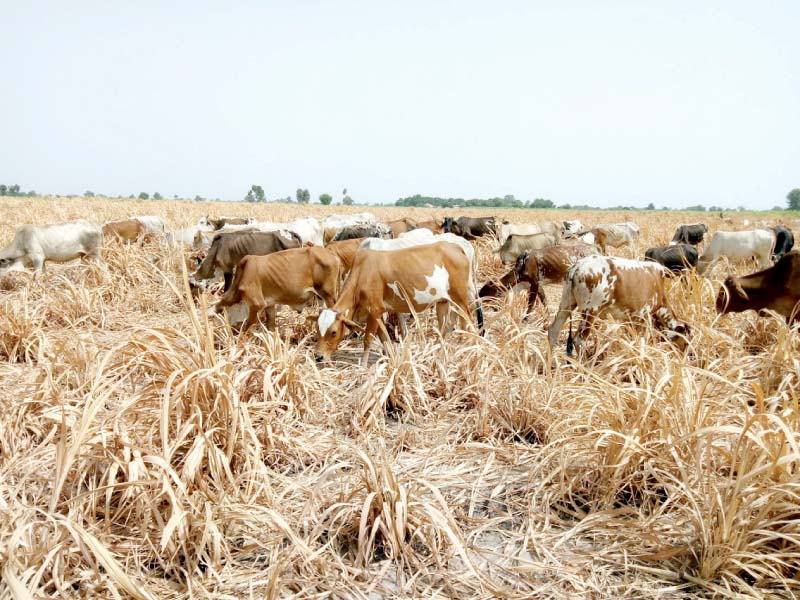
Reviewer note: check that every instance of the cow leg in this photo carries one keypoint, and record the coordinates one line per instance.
(369, 333)
(38, 264)
(533, 294)
(252, 317)
(227, 277)
(442, 314)
(564, 311)
(272, 313)
(583, 330)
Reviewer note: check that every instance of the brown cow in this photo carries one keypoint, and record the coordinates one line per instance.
(124, 230)
(623, 288)
(346, 251)
(227, 249)
(775, 288)
(292, 277)
(395, 281)
(399, 226)
(537, 267)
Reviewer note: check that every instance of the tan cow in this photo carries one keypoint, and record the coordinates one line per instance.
(346, 251)
(395, 281)
(293, 277)
(124, 230)
(403, 225)
(433, 225)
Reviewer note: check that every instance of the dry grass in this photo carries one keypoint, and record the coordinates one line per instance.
(147, 451)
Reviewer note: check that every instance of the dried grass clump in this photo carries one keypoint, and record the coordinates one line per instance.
(149, 451)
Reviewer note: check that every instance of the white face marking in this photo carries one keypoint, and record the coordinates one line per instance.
(326, 319)
(438, 284)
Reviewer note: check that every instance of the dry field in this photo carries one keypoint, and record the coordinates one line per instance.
(146, 451)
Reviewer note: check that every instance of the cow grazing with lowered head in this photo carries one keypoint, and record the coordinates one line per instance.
(602, 285)
(469, 227)
(396, 281)
(517, 244)
(505, 229)
(537, 267)
(738, 245)
(34, 245)
(293, 277)
(221, 222)
(675, 258)
(228, 249)
(784, 242)
(775, 288)
(691, 234)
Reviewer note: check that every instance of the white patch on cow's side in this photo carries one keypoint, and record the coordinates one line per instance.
(588, 238)
(325, 320)
(394, 287)
(237, 313)
(438, 284)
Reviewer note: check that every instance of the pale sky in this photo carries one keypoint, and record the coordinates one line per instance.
(583, 102)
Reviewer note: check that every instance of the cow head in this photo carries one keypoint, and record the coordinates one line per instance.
(331, 328)
(732, 297)
(449, 225)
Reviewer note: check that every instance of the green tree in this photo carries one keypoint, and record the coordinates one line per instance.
(250, 196)
(299, 196)
(696, 207)
(3, 190)
(793, 199)
(258, 192)
(157, 196)
(144, 196)
(542, 203)
(347, 201)
(88, 194)
(651, 206)
(325, 199)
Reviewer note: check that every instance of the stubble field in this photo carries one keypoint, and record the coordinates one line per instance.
(148, 451)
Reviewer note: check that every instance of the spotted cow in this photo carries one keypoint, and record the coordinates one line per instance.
(622, 288)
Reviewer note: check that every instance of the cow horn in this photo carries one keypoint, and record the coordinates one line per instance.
(352, 324)
(739, 290)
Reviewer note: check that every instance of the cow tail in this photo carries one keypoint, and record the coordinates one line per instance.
(570, 342)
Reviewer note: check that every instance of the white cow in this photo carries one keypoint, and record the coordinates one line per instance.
(33, 245)
(570, 227)
(738, 245)
(152, 223)
(187, 235)
(504, 230)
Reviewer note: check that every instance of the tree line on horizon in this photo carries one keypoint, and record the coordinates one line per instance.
(303, 196)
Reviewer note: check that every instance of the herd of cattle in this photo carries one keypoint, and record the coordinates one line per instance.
(364, 270)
